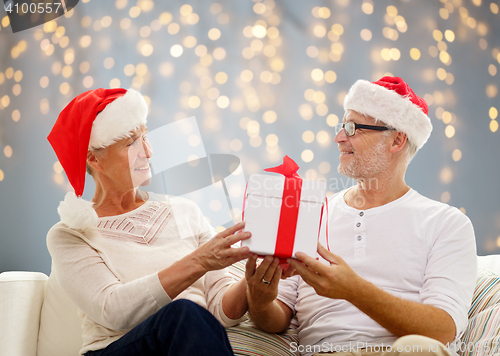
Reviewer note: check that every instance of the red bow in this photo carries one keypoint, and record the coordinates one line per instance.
(289, 168)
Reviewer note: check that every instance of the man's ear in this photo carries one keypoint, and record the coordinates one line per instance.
(398, 142)
(93, 161)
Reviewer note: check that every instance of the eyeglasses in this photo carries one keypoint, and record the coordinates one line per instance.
(350, 128)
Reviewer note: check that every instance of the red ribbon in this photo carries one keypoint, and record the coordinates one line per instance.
(289, 207)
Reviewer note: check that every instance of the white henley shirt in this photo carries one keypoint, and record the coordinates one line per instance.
(414, 248)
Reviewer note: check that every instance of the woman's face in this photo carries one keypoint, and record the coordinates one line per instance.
(125, 164)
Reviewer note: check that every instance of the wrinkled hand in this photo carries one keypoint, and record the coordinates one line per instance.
(218, 253)
(258, 292)
(337, 281)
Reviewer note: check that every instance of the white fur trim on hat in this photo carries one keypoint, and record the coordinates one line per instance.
(118, 119)
(391, 108)
(77, 213)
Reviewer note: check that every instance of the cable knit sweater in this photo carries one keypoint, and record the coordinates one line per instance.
(111, 272)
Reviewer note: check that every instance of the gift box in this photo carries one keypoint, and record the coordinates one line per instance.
(283, 212)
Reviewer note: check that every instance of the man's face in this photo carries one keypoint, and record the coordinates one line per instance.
(364, 155)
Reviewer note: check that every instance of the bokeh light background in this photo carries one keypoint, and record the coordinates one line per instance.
(263, 79)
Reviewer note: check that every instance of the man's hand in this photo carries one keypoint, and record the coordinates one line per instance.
(337, 281)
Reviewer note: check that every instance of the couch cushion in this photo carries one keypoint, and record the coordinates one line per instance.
(247, 340)
(60, 327)
(482, 335)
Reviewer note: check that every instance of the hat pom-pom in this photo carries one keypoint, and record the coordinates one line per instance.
(77, 213)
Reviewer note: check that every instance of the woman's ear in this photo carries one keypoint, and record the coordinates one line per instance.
(93, 160)
(399, 142)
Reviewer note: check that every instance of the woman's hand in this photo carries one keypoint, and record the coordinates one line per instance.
(218, 253)
(263, 280)
(267, 312)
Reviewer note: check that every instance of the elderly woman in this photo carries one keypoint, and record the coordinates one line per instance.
(127, 255)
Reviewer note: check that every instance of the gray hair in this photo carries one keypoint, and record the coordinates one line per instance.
(410, 148)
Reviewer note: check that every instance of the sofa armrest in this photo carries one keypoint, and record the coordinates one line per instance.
(21, 299)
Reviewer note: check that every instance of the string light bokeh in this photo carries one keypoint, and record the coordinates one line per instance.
(264, 79)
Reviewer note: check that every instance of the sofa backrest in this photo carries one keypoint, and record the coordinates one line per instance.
(60, 327)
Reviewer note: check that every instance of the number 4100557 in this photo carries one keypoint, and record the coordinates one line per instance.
(33, 8)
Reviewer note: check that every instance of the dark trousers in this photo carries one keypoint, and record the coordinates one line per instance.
(180, 328)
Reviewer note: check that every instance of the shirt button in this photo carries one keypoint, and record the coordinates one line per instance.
(359, 238)
(358, 224)
(361, 214)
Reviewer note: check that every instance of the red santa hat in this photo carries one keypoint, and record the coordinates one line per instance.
(94, 119)
(392, 101)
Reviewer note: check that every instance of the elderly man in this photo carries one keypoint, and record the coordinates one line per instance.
(401, 272)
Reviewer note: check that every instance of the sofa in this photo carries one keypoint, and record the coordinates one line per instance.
(38, 318)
